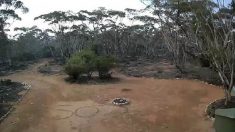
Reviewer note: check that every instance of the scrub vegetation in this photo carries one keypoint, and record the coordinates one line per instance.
(169, 39)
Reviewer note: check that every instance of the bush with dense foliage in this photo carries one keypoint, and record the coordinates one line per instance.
(104, 65)
(81, 63)
(86, 62)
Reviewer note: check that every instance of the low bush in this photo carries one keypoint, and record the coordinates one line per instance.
(104, 64)
(81, 63)
(86, 62)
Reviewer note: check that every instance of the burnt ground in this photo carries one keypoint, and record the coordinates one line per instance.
(6, 69)
(165, 69)
(9, 93)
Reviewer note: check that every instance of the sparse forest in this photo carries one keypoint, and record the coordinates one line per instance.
(167, 39)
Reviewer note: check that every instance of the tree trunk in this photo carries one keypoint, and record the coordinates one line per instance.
(228, 96)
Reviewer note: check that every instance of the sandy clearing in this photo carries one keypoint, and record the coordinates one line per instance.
(54, 105)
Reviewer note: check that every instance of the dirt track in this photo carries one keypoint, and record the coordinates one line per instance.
(54, 105)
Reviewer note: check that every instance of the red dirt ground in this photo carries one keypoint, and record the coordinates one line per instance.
(53, 105)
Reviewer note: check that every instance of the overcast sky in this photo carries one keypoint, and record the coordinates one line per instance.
(38, 7)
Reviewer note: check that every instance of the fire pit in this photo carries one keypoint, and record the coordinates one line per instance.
(120, 101)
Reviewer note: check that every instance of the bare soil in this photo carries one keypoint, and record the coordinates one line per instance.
(6, 69)
(156, 105)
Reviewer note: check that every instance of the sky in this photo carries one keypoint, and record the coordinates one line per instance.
(38, 7)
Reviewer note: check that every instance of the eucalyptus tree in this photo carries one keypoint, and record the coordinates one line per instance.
(105, 30)
(216, 39)
(47, 41)
(96, 18)
(171, 31)
(210, 28)
(59, 21)
(28, 44)
(115, 19)
(149, 34)
(8, 11)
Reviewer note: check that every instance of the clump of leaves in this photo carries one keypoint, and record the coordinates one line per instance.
(86, 62)
(81, 63)
(104, 64)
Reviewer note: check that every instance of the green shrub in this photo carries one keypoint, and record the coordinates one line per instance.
(81, 63)
(86, 61)
(104, 64)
